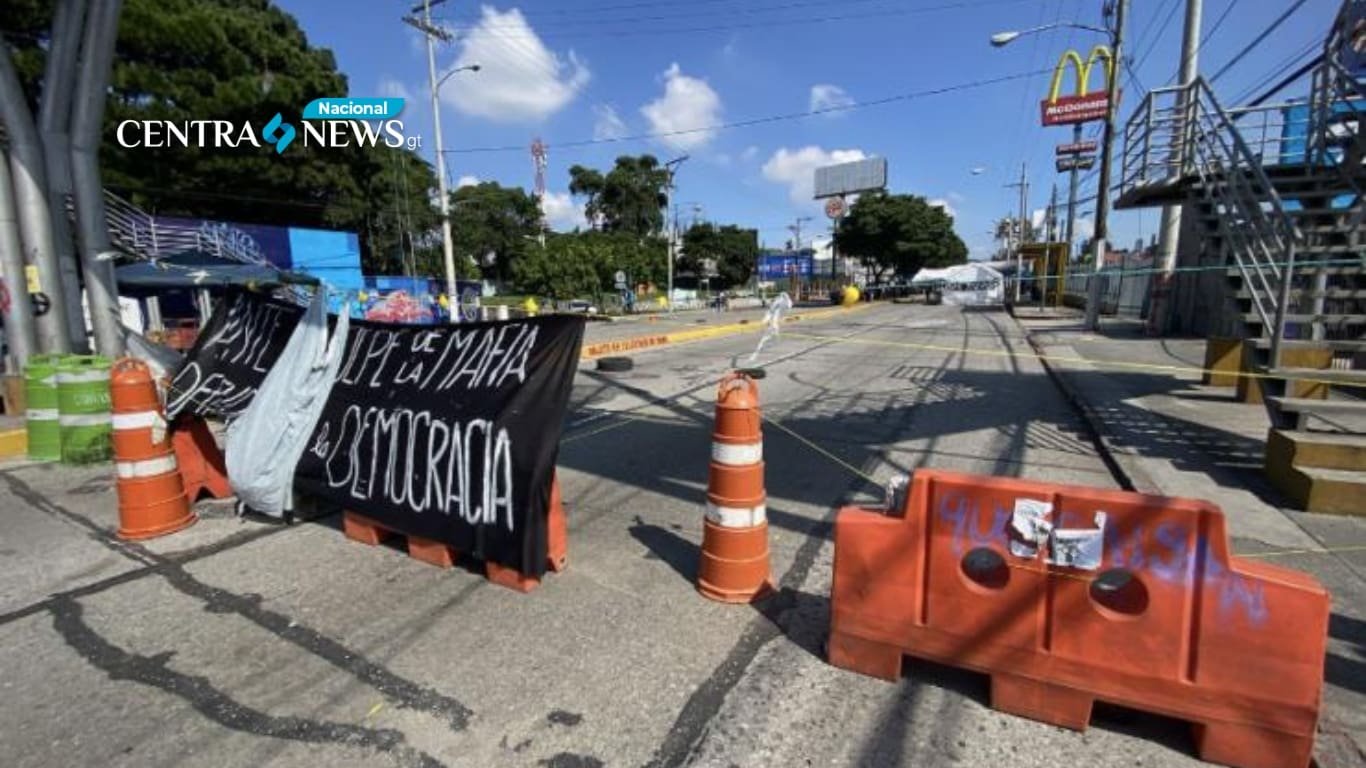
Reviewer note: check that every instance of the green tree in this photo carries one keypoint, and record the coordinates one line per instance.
(494, 225)
(900, 234)
(733, 249)
(583, 264)
(629, 198)
(241, 61)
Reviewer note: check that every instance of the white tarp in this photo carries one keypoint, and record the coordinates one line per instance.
(972, 285)
(265, 443)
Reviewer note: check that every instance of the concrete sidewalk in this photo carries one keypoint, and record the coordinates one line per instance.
(1167, 433)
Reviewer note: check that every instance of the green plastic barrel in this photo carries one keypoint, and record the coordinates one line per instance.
(83, 409)
(40, 391)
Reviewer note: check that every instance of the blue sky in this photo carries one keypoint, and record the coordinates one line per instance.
(574, 70)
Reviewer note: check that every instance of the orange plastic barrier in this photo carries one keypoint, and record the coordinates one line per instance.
(1153, 613)
(152, 500)
(359, 528)
(734, 567)
(201, 460)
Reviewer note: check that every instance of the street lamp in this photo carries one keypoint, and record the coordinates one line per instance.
(1001, 39)
(467, 68)
(430, 31)
(1092, 321)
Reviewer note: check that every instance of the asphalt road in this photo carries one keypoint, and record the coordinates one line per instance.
(242, 643)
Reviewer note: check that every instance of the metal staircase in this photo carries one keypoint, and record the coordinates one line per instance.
(141, 235)
(1278, 190)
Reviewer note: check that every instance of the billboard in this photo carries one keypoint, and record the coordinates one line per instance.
(785, 266)
(848, 178)
(1084, 105)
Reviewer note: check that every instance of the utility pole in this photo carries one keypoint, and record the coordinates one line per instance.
(1023, 184)
(671, 168)
(796, 230)
(1092, 321)
(432, 33)
(1042, 278)
(1170, 230)
(1072, 194)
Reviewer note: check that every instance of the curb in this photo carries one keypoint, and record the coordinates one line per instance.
(640, 343)
(1095, 426)
(13, 444)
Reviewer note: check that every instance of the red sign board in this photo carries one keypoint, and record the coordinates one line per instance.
(1076, 148)
(1070, 110)
(834, 207)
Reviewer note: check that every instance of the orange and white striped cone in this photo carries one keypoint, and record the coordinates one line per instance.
(152, 499)
(735, 567)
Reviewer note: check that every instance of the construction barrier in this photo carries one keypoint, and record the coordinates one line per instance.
(152, 500)
(83, 408)
(735, 566)
(1065, 595)
(40, 394)
(202, 467)
(358, 527)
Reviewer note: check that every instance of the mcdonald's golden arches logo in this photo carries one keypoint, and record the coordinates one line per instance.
(1084, 105)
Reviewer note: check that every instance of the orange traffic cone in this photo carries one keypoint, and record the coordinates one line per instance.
(734, 566)
(152, 500)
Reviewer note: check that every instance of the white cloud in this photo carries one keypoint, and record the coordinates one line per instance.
(956, 197)
(561, 212)
(722, 159)
(520, 78)
(750, 153)
(797, 168)
(687, 104)
(608, 124)
(824, 96)
(940, 202)
(467, 181)
(393, 88)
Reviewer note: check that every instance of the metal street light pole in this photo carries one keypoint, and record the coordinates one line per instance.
(1092, 321)
(432, 32)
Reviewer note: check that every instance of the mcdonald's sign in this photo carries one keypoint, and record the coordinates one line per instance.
(1085, 105)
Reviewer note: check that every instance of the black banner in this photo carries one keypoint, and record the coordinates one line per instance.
(449, 432)
(230, 358)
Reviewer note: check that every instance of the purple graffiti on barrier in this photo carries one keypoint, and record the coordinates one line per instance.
(1163, 551)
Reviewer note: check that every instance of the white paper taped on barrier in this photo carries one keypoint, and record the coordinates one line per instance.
(1031, 525)
(1080, 548)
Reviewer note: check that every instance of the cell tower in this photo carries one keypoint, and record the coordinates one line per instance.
(538, 157)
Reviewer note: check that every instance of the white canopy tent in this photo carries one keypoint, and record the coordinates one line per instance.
(971, 284)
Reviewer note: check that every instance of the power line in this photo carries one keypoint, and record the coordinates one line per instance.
(1292, 61)
(747, 10)
(762, 120)
(768, 24)
(1257, 40)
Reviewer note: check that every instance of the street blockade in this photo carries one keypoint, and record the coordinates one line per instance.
(152, 500)
(1065, 595)
(735, 563)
